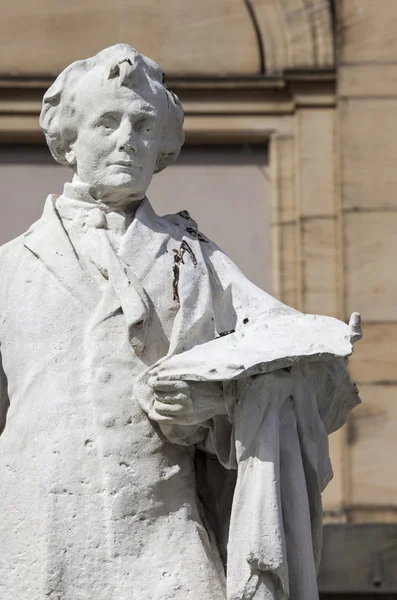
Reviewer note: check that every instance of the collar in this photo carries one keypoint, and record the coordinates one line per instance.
(76, 205)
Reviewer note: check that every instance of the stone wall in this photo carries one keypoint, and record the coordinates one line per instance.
(367, 150)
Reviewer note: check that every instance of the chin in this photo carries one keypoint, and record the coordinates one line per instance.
(124, 182)
(119, 180)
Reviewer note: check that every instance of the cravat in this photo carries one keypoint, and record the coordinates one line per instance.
(126, 286)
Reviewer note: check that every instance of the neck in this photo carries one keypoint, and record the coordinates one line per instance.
(108, 199)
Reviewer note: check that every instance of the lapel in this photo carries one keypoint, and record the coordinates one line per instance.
(194, 321)
(146, 238)
(48, 241)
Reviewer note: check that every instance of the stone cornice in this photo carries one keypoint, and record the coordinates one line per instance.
(220, 109)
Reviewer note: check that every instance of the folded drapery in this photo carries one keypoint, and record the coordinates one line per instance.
(283, 466)
(276, 435)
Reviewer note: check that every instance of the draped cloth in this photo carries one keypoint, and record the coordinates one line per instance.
(281, 439)
(276, 436)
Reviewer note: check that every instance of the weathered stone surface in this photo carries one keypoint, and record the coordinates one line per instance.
(366, 56)
(367, 33)
(370, 276)
(195, 28)
(368, 130)
(319, 262)
(375, 361)
(316, 168)
(373, 455)
(368, 81)
(334, 494)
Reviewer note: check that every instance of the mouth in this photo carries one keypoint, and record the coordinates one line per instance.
(128, 164)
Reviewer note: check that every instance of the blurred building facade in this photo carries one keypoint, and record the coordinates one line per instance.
(316, 82)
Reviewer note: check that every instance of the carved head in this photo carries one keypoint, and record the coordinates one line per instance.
(113, 120)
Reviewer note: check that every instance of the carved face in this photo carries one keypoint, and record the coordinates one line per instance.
(117, 144)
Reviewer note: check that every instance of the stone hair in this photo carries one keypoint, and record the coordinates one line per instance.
(58, 115)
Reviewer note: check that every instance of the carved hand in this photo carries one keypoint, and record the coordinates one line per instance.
(182, 403)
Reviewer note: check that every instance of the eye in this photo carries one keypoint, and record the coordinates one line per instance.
(145, 126)
(107, 122)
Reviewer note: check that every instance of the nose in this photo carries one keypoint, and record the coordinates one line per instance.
(127, 138)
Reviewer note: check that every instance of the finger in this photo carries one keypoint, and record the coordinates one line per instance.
(160, 418)
(168, 386)
(176, 398)
(169, 409)
(161, 413)
(168, 419)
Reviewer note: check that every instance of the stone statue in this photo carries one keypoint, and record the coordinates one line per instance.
(162, 417)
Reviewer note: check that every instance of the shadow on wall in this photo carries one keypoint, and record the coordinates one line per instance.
(225, 188)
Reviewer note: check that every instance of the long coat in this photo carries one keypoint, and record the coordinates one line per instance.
(94, 501)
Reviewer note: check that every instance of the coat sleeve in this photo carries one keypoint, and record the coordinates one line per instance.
(4, 400)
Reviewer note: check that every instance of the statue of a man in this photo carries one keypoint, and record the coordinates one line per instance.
(114, 458)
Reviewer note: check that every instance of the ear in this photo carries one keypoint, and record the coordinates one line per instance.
(70, 155)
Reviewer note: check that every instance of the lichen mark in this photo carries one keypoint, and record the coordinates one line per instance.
(178, 259)
(179, 254)
(167, 95)
(186, 248)
(223, 333)
(197, 234)
(184, 214)
(175, 282)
